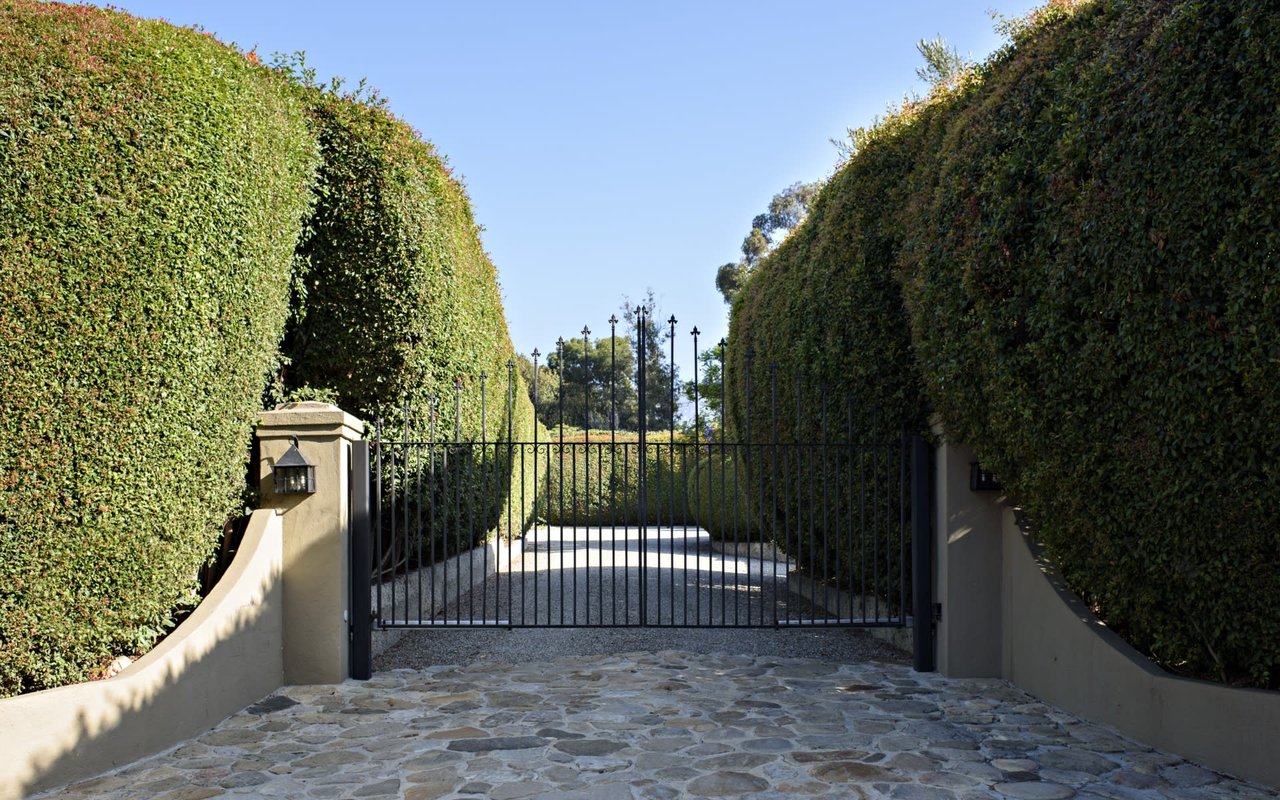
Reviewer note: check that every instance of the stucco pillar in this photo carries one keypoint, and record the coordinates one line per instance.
(969, 557)
(316, 534)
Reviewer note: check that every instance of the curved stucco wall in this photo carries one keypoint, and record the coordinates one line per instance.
(225, 656)
(1055, 648)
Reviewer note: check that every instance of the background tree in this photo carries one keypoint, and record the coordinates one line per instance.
(544, 391)
(598, 382)
(659, 411)
(942, 62)
(730, 278)
(707, 390)
(786, 211)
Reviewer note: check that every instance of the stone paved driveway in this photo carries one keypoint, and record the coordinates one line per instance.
(661, 725)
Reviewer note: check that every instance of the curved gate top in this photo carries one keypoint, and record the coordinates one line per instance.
(608, 518)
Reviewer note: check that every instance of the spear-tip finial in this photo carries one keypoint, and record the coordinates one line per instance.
(695, 331)
(672, 321)
(724, 343)
(586, 331)
(613, 319)
(560, 342)
(536, 354)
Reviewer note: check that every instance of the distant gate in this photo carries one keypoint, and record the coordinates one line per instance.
(602, 526)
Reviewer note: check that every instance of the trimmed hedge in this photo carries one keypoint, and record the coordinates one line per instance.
(1084, 232)
(152, 188)
(1096, 307)
(685, 485)
(826, 309)
(601, 482)
(399, 300)
(717, 492)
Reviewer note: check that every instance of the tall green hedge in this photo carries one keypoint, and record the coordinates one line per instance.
(398, 300)
(1096, 303)
(152, 188)
(1084, 233)
(823, 320)
(599, 484)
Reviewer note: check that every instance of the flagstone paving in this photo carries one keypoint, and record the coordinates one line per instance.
(661, 725)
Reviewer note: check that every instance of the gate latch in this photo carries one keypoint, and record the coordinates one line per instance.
(937, 612)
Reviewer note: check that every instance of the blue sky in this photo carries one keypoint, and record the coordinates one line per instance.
(611, 147)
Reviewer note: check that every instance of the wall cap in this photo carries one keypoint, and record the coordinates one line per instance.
(308, 417)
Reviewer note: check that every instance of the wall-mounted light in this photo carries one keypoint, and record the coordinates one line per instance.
(293, 473)
(980, 480)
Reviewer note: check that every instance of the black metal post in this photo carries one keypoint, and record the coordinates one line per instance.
(360, 626)
(922, 555)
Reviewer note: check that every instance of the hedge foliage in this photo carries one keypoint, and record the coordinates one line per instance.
(598, 483)
(1084, 232)
(601, 484)
(1096, 304)
(397, 314)
(823, 320)
(152, 187)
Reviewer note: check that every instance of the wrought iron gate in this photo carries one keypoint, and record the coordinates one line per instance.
(602, 526)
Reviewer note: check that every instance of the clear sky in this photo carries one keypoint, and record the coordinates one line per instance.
(610, 147)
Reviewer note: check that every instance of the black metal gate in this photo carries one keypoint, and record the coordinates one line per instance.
(606, 526)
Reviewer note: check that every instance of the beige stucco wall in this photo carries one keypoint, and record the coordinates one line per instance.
(1056, 649)
(225, 656)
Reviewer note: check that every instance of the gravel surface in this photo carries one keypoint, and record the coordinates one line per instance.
(426, 648)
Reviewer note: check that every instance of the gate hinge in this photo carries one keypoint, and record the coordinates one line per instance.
(937, 612)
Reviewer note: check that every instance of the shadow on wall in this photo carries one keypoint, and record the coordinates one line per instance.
(1056, 649)
(225, 656)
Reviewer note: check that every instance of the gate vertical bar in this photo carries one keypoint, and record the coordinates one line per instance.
(586, 473)
(433, 404)
(698, 562)
(724, 527)
(613, 468)
(360, 627)
(464, 473)
(671, 448)
(376, 522)
(511, 476)
(534, 539)
(559, 482)
(922, 556)
(773, 485)
(641, 493)
(483, 493)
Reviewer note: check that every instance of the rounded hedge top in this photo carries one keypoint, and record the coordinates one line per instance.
(152, 187)
(1085, 234)
(1096, 308)
(400, 299)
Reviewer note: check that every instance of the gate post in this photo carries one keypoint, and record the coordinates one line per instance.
(361, 627)
(317, 528)
(968, 537)
(922, 556)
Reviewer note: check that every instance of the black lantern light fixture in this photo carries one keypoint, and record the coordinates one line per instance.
(294, 474)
